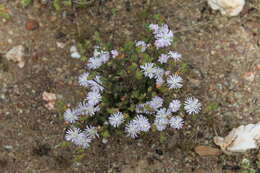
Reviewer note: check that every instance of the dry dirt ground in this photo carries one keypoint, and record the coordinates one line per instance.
(221, 52)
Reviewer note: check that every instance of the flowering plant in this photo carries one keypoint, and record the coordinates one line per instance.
(134, 88)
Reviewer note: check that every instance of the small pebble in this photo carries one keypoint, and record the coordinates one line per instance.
(31, 25)
(74, 52)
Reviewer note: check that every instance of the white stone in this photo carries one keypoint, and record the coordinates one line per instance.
(240, 139)
(16, 54)
(74, 52)
(50, 98)
(227, 7)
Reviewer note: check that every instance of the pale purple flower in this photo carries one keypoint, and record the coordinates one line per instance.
(141, 108)
(100, 57)
(176, 122)
(94, 84)
(149, 70)
(158, 73)
(114, 53)
(175, 55)
(93, 98)
(175, 105)
(70, 116)
(142, 45)
(87, 109)
(83, 79)
(76, 136)
(163, 36)
(154, 28)
(94, 63)
(192, 105)
(116, 119)
(163, 112)
(104, 57)
(163, 58)
(174, 82)
(132, 129)
(142, 123)
(161, 123)
(156, 102)
(91, 132)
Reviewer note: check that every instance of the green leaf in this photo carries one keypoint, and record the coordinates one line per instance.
(184, 68)
(97, 37)
(67, 3)
(258, 164)
(79, 157)
(105, 134)
(139, 75)
(163, 138)
(57, 5)
(25, 3)
(63, 144)
(112, 110)
(3, 12)
(133, 67)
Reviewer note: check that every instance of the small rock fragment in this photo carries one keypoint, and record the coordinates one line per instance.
(8, 147)
(74, 52)
(60, 44)
(207, 151)
(240, 139)
(31, 25)
(257, 67)
(227, 7)
(249, 76)
(50, 98)
(16, 54)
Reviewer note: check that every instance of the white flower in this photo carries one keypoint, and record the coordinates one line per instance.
(163, 58)
(174, 82)
(142, 45)
(161, 123)
(87, 109)
(132, 129)
(175, 55)
(91, 132)
(192, 105)
(156, 102)
(116, 119)
(76, 136)
(70, 116)
(149, 70)
(142, 123)
(175, 105)
(176, 122)
(114, 53)
(93, 98)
